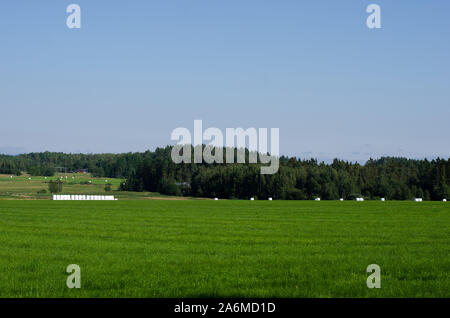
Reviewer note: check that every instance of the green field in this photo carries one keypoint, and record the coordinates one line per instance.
(27, 187)
(195, 248)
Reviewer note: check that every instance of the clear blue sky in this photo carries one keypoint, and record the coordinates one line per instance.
(138, 69)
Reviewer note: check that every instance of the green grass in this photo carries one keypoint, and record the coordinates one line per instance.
(157, 248)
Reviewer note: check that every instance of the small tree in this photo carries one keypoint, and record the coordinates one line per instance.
(108, 187)
(55, 186)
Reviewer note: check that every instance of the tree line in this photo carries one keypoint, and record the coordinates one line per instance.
(46, 163)
(299, 179)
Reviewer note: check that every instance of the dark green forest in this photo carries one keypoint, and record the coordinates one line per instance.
(391, 178)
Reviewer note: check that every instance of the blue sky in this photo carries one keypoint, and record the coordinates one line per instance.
(138, 69)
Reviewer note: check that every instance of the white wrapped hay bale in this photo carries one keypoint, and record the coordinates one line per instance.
(317, 199)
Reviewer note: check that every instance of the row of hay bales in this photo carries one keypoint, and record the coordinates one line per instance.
(78, 197)
(357, 199)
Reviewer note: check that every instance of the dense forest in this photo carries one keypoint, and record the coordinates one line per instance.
(391, 178)
(46, 163)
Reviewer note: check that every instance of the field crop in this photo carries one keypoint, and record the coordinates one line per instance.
(203, 248)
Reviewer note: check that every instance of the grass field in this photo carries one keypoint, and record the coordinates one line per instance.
(26, 187)
(194, 248)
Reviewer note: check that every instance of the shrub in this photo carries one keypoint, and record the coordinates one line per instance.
(55, 186)
(170, 188)
(295, 194)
